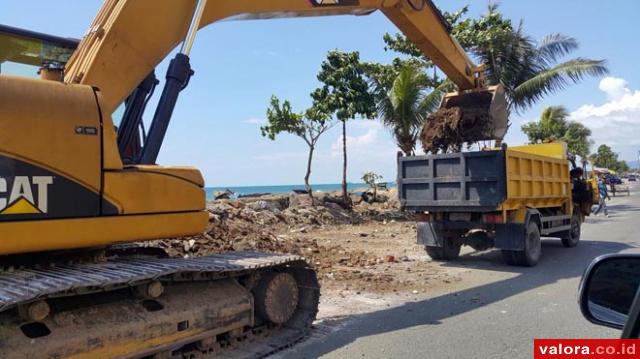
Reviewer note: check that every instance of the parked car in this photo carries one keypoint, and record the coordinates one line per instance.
(632, 178)
(613, 179)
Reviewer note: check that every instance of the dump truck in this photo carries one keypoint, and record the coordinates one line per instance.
(506, 198)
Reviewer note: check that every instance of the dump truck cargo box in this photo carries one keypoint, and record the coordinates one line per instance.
(465, 181)
(532, 176)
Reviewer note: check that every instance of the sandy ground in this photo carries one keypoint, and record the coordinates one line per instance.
(401, 272)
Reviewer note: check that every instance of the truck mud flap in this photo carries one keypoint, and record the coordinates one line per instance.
(510, 236)
(428, 234)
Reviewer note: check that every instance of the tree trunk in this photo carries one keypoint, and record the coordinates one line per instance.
(345, 196)
(307, 186)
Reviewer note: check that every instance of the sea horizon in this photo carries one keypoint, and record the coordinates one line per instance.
(246, 190)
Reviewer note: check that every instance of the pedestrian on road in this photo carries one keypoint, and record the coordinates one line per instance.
(604, 195)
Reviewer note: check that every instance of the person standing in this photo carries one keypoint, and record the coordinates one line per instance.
(604, 195)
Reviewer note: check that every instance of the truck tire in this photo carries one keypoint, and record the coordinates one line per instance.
(449, 250)
(571, 238)
(530, 256)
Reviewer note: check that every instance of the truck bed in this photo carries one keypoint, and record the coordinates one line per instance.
(465, 181)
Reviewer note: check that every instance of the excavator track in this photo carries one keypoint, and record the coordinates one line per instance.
(231, 305)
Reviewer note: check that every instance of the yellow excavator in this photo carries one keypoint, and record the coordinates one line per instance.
(76, 192)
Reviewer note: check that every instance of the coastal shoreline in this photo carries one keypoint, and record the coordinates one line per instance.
(283, 189)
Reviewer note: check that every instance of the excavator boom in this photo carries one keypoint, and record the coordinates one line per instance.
(129, 38)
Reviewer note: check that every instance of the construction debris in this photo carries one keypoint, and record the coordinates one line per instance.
(447, 129)
(226, 194)
(271, 224)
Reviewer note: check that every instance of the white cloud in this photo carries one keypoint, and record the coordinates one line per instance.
(617, 121)
(255, 121)
(614, 87)
(356, 144)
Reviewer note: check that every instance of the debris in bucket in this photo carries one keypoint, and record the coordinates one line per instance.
(464, 119)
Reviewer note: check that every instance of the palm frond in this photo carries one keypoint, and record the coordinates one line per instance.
(431, 101)
(555, 79)
(554, 46)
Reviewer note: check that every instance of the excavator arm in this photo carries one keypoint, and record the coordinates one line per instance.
(129, 38)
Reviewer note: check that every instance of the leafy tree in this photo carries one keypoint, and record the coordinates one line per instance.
(345, 93)
(578, 141)
(308, 125)
(400, 44)
(404, 106)
(622, 166)
(605, 157)
(554, 126)
(385, 74)
(371, 178)
(529, 70)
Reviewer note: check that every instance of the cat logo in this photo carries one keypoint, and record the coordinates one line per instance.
(20, 199)
(334, 2)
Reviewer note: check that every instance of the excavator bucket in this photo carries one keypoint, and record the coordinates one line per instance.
(488, 104)
(466, 117)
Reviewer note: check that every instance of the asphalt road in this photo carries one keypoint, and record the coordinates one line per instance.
(497, 310)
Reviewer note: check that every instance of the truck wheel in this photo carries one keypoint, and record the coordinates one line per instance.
(449, 250)
(571, 238)
(530, 256)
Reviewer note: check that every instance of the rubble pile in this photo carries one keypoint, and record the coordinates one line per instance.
(237, 225)
(272, 224)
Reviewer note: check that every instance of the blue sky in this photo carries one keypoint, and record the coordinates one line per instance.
(239, 65)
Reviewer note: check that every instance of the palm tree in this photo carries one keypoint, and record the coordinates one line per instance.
(530, 70)
(552, 125)
(404, 106)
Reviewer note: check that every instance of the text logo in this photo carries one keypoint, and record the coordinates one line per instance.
(25, 195)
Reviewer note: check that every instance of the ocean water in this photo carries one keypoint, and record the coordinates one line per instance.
(244, 190)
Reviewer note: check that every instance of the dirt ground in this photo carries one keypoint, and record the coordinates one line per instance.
(389, 260)
(401, 270)
(365, 258)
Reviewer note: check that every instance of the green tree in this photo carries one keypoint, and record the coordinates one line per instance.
(371, 178)
(528, 70)
(308, 125)
(622, 166)
(578, 139)
(605, 157)
(404, 106)
(345, 93)
(554, 126)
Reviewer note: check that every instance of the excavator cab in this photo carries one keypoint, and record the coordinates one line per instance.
(49, 53)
